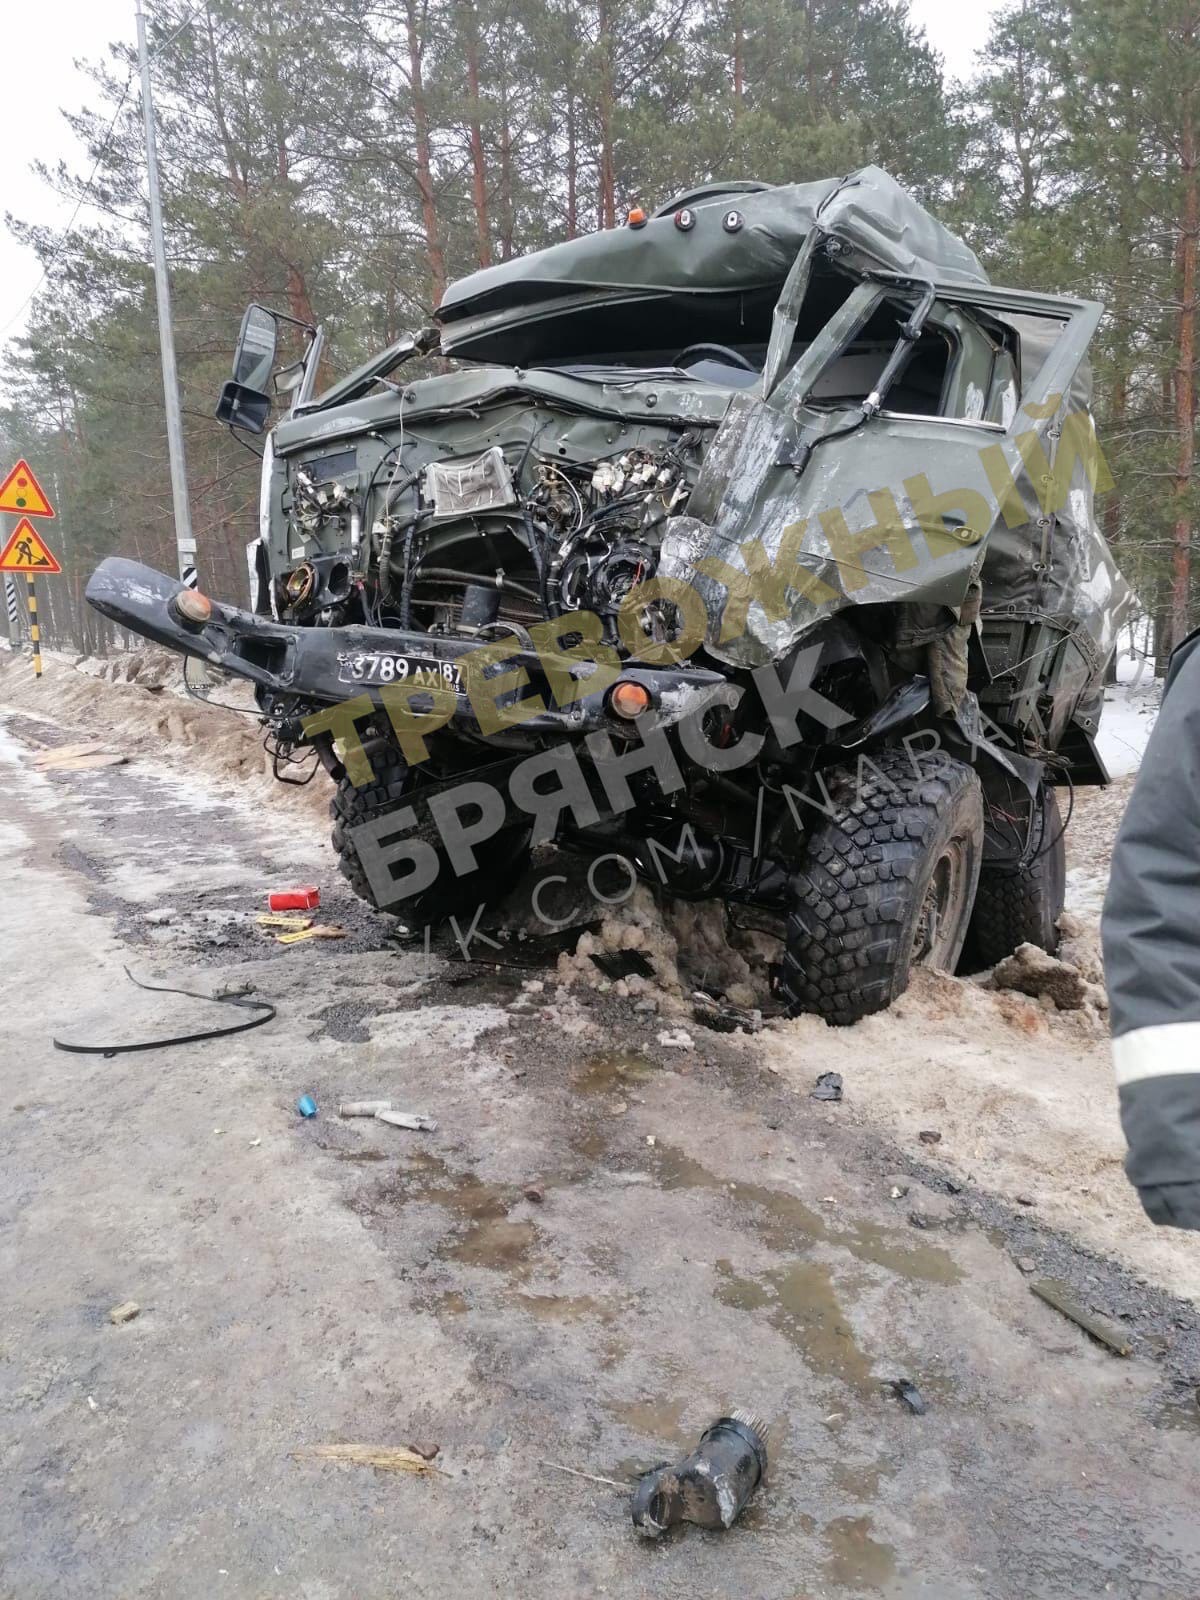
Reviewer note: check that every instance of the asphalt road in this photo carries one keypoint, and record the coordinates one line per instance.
(706, 1240)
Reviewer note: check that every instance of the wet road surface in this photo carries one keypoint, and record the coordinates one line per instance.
(706, 1240)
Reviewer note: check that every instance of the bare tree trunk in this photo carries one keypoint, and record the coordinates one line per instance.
(435, 254)
(572, 168)
(608, 180)
(1185, 399)
(507, 208)
(739, 43)
(1120, 399)
(475, 136)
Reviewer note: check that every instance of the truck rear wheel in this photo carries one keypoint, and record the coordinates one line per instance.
(886, 884)
(1021, 904)
(507, 856)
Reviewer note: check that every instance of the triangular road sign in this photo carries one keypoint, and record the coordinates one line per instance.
(22, 493)
(25, 552)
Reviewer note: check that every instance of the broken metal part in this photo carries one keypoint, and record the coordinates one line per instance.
(617, 964)
(711, 1486)
(1100, 1328)
(415, 1121)
(722, 1017)
(904, 1389)
(829, 1087)
(363, 1108)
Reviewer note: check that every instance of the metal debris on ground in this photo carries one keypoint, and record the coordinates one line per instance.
(306, 898)
(413, 1120)
(384, 1458)
(534, 1193)
(722, 1017)
(306, 1106)
(363, 1108)
(676, 1039)
(50, 754)
(904, 1389)
(591, 1477)
(125, 1312)
(1099, 1327)
(323, 930)
(711, 1486)
(828, 1087)
(78, 758)
(264, 1012)
(929, 1136)
(617, 964)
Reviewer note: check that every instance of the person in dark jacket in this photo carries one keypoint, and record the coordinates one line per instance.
(1151, 934)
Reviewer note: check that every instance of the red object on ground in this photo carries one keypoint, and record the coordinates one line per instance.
(294, 899)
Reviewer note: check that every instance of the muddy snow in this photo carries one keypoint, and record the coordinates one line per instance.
(1017, 1086)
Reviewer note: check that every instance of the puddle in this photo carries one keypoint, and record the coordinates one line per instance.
(615, 1070)
(565, 1307)
(656, 1419)
(857, 1561)
(450, 1304)
(801, 1304)
(859, 1480)
(786, 1224)
(490, 1238)
(1178, 1410)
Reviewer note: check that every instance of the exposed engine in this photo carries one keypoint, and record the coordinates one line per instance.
(480, 545)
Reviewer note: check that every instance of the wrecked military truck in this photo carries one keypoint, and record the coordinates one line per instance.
(752, 542)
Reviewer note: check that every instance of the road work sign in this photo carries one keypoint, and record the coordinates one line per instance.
(26, 553)
(22, 493)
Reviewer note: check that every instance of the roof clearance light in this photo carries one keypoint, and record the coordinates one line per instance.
(685, 220)
(193, 607)
(637, 218)
(629, 699)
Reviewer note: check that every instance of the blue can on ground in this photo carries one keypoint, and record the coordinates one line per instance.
(306, 1106)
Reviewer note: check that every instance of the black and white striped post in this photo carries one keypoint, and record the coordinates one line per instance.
(14, 615)
(35, 633)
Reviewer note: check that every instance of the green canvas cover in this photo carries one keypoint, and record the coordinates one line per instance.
(877, 222)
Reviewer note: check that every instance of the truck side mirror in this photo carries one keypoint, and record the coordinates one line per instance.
(242, 407)
(245, 400)
(254, 355)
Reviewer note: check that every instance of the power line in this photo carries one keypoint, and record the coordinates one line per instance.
(87, 188)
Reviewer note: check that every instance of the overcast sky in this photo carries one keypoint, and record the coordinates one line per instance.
(44, 40)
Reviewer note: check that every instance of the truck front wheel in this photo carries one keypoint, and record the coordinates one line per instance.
(887, 883)
(507, 855)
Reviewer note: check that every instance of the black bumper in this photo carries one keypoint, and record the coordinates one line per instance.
(306, 665)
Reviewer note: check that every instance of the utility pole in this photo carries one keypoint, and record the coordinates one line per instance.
(183, 520)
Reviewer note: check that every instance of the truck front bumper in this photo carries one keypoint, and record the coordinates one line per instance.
(304, 667)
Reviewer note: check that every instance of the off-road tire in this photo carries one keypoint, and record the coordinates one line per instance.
(891, 841)
(507, 855)
(1021, 905)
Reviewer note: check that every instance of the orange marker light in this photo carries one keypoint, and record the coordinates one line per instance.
(629, 699)
(192, 607)
(636, 218)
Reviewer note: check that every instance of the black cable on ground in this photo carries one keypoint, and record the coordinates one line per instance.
(266, 1010)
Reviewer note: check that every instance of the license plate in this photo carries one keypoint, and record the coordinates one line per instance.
(383, 666)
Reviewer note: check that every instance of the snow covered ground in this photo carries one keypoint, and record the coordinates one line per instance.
(1130, 711)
